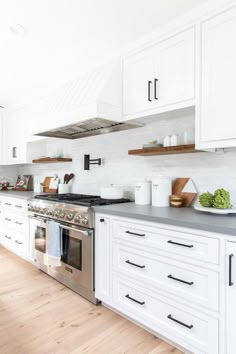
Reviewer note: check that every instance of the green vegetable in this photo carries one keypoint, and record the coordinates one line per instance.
(222, 199)
(206, 199)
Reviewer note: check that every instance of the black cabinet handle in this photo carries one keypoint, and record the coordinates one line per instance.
(8, 204)
(19, 243)
(132, 299)
(7, 219)
(102, 220)
(9, 238)
(155, 89)
(14, 152)
(149, 91)
(18, 223)
(134, 264)
(230, 270)
(180, 244)
(179, 322)
(18, 206)
(180, 280)
(135, 234)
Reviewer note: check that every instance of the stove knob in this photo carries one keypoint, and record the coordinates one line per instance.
(62, 215)
(48, 211)
(69, 216)
(44, 210)
(78, 218)
(85, 221)
(51, 213)
(57, 213)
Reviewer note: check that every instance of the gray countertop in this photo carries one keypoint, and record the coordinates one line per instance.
(185, 217)
(21, 195)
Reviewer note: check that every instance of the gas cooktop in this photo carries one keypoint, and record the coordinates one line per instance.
(80, 199)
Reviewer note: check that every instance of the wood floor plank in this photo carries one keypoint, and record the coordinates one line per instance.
(38, 315)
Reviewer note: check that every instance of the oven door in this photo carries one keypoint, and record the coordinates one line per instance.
(77, 256)
(38, 236)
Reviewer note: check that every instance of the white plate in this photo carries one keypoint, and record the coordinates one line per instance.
(215, 210)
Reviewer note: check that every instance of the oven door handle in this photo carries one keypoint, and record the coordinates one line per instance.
(84, 232)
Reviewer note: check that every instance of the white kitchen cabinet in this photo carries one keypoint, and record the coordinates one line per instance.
(165, 278)
(14, 230)
(102, 258)
(230, 298)
(216, 104)
(160, 77)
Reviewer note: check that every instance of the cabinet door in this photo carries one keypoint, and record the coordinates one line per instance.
(138, 84)
(1, 138)
(230, 298)
(102, 258)
(16, 136)
(175, 68)
(217, 110)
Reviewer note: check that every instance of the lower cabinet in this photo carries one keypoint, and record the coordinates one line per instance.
(231, 298)
(102, 258)
(165, 278)
(14, 222)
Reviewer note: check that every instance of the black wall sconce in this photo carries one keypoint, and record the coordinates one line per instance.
(88, 162)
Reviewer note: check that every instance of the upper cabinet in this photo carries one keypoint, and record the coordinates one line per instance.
(216, 103)
(161, 77)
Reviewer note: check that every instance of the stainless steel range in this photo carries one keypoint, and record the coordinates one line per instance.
(76, 218)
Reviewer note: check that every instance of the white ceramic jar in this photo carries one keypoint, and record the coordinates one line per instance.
(143, 192)
(161, 191)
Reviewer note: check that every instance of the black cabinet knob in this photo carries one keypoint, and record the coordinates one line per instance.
(102, 220)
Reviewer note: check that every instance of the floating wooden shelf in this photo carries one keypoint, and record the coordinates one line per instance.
(52, 160)
(151, 151)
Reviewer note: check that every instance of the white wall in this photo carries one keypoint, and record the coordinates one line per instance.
(208, 170)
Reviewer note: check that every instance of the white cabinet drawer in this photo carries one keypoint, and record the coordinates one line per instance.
(14, 205)
(15, 221)
(191, 329)
(190, 283)
(187, 244)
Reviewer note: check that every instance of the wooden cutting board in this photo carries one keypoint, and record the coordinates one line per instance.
(177, 189)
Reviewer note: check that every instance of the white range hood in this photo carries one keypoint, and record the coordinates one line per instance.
(89, 105)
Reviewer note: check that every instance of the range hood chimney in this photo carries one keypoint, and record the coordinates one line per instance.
(90, 105)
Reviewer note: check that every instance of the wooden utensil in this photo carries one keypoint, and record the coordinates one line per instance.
(71, 176)
(66, 178)
(177, 189)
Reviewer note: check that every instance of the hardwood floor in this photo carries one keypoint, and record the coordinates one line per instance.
(38, 315)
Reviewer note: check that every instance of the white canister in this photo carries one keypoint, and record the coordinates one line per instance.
(64, 188)
(143, 193)
(161, 191)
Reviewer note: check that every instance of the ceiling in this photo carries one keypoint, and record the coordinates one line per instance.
(62, 38)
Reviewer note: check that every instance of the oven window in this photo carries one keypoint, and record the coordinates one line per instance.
(71, 250)
(40, 239)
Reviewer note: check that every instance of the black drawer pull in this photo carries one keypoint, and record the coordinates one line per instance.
(19, 243)
(230, 270)
(134, 264)
(19, 206)
(7, 219)
(18, 223)
(8, 204)
(180, 280)
(133, 233)
(179, 322)
(132, 299)
(8, 237)
(102, 220)
(180, 244)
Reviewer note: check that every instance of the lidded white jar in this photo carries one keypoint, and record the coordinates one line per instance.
(161, 191)
(143, 192)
